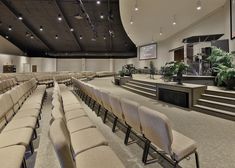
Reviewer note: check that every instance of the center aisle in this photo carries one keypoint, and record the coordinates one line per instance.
(46, 157)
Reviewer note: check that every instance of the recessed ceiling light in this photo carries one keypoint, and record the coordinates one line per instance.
(104, 37)
(56, 37)
(27, 34)
(199, 5)
(10, 28)
(80, 37)
(98, 2)
(41, 28)
(20, 17)
(101, 16)
(7, 37)
(59, 17)
(71, 29)
(32, 37)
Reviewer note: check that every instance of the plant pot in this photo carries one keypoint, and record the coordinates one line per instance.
(230, 84)
(179, 78)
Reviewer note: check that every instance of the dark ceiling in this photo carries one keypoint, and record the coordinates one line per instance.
(91, 33)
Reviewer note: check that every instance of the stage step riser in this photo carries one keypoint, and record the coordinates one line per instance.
(214, 113)
(217, 99)
(220, 93)
(217, 106)
(146, 82)
(142, 84)
(139, 88)
(138, 92)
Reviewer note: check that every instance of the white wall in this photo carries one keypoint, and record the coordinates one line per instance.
(69, 65)
(44, 64)
(97, 65)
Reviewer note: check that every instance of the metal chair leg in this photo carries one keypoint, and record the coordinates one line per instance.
(176, 164)
(24, 165)
(93, 106)
(35, 134)
(114, 124)
(98, 113)
(146, 151)
(105, 116)
(31, 147)
(128, 131)
(197, 159)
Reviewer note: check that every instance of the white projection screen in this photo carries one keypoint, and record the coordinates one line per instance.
(148, 52)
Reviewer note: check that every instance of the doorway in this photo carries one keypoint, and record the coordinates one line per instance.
(179, 55)
(34, 68)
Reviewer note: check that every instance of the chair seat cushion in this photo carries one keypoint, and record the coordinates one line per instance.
(72, 107)
(182, 145)
(21, 123)
(20, 136)
(98, 157)
(78, 124)
(75, 114)
(12, 156)
(27, 113)
(86, 139)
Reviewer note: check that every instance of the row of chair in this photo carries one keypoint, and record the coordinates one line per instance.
(63, 79)
(7, 84)
(72, 130)
(154, 126)
(19, 117)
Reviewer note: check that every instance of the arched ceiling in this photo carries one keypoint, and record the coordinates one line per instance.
(91, 34)
(154, 15)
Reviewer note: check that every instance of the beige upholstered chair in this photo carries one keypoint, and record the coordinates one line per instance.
(61, 142)
(132, 119)
(106, 103)
(115, 103)
(157, 129)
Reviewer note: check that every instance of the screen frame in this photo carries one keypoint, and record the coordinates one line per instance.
(145, 46)
(231, 20)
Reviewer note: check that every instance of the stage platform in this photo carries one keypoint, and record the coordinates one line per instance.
(212, 100)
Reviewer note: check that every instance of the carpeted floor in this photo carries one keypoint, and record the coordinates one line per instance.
(215, 136)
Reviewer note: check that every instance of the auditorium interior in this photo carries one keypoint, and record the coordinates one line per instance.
(117, 84)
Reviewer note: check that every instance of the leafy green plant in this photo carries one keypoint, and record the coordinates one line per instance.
(219, 58)
(152, 68)
(173, 68)
(226, 77)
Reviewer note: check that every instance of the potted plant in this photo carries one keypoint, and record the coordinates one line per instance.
(219, 57)
(174, 68)
(226, 77)
(121, 73)
(180, 68)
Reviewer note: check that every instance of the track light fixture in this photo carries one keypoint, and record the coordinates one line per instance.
(160, 31)
(136, 6)
(174, 20)
(199, 5)
(59, 17)
(80, 37)
(98, 2)
(27, 34)
(71, 29)
(41, 28)
(7, 37)
(32, 37)
(104, 37)
(20, 17)
(9, 28)
(56, 37)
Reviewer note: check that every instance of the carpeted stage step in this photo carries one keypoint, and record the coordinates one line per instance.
(143, 93)
(217, 103)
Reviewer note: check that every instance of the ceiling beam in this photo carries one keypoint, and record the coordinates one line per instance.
(27, 24)
(60, 8)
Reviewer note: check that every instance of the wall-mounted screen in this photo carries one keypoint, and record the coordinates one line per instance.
(148, 52)
(232, 17)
